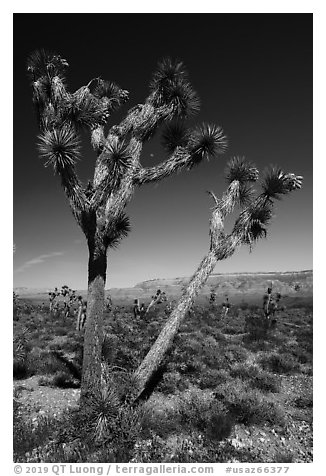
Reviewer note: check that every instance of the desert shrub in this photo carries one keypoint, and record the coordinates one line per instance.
(45, 381)
(75, 345)
(190, 448)
(148, 450)
(60, 331)
(256, 377)
(303, 401)
(46, 337)
(217, 334)
(232, 329)
(44, 363)
(243, 306)
(27, 435)
(256, 325)
(32, 325)
(63, 379)
(248, 405)
(20, 369)
(71, 334)
(214, 359)
(303, 356)
(40, 362)
(235, 353)
(199, 411)
(212, 377)
(299, 353)
(160, 418)
(305, 339)
(283, 457)
(171, 382)
(279, 363)
(21, 350)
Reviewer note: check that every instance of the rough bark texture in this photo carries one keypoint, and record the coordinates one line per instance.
(91, 375)
(156, 354)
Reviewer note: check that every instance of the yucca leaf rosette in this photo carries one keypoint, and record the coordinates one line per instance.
(206, 141)
(175, 134)
(170, 87)
(59, 147)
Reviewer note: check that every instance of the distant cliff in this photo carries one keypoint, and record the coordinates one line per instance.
(247, 287)
(240, 285)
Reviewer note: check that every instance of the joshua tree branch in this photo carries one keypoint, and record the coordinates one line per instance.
(179, 160)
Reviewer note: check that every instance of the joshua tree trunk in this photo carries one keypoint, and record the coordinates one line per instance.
(94, 322)
(164, 341)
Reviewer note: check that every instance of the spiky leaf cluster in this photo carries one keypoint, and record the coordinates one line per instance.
(111, 92)
(252, 223)
(42, 63)
(46, 70)
(246, 195)
(276, 183)
(241, 170)
(55, 106)
(85, 110)
(118, 160)
(118, 230)
(174, 135)
(102, 411)
(170, 87)
(206, 141)
(59, 147)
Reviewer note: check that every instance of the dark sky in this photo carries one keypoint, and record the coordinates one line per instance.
(253, 73)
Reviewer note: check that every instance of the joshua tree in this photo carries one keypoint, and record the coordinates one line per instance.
(212, 297)
(271, 302)
(52, 298)
(136, 308)
(225, 307)
(142, 310)
(99, 207)
(108, 303)
(15, 306)
(158, 299)
(82, 313)
(248, 228)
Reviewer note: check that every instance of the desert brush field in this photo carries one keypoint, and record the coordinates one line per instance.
(227, 392)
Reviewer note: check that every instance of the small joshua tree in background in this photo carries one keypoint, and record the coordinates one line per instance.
(108, 303)
(212, 297)
(99, 207)
(297, 287)
(225, 307)
(270, 306)
(15, 306)
(258, 325)
(271, 302)
(249, 227)
(136, 308)
(82, 313)
(53, 302)
(159, 297)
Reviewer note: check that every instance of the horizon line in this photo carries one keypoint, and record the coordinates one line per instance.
(243, 273)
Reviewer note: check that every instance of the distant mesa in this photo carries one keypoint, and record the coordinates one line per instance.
(238, 286)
